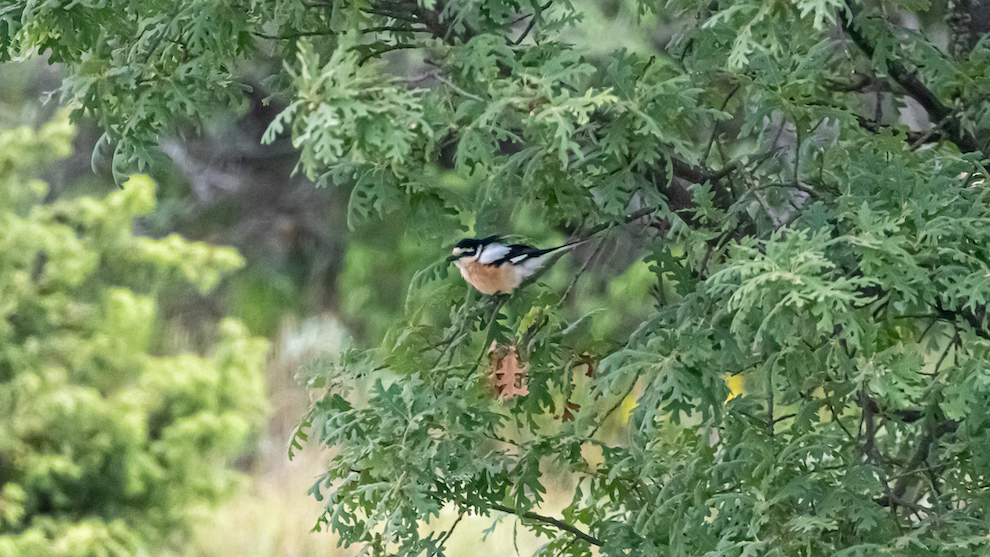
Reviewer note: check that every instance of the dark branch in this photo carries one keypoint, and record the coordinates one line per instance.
(536, 16)
(433, 21)
(392, 29)
(291, 36)
(975, 318)
(861, 84)
(916, 89)
(913, 138)
(551, 521)
(450, 532)
(402, 16)
(631, 217)
(389, 48)
(917, 463)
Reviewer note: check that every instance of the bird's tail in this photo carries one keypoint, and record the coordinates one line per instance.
(564, 247)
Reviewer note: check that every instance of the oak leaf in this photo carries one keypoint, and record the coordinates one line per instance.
(507, 372)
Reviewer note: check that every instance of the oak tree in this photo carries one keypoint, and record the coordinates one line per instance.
(792, 194)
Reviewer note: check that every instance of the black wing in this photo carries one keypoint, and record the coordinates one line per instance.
(520, 253)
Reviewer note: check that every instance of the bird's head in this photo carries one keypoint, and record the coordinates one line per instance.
(470, 247)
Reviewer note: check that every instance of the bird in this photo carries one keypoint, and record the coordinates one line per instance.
(493, 267)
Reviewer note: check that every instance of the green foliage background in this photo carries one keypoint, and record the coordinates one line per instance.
(105, 445)
(809, 180)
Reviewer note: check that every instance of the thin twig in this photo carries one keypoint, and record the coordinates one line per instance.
(922, 139)
(633, 216)
(161, 35)
(770, 420)
(464, 93)
(500, 300)
(532, 23)
(446, 536)
(392, 29)
(584, 268)
(779, 419)
(860, 84)
(389, 48)
(725, 103)
(614, 407)
(915, 88)
(290, 36)
(838, 420)
(956, 340)
(870, 449)
(393, 15)
(798, 186)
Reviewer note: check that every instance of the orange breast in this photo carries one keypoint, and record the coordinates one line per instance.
(490, 280)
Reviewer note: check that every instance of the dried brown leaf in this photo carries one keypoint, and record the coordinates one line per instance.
(507, 372)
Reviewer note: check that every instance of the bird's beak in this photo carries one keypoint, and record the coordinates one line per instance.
(455, 257)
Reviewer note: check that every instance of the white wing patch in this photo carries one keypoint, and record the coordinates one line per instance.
(529, 266)
(492, 252)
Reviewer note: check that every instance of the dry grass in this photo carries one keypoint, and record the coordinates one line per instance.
(272, 516)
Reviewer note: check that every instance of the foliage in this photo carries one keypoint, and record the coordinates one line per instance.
(104, 445)
(798, 232)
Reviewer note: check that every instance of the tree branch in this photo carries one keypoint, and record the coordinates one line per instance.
(457, 89)
(388, 48)
(536, 15)
(914, 466)
(402, 16)
(450, 532)
(551, 521)
(290, 36)
(618, 403)
(916, 89)
(971, 317)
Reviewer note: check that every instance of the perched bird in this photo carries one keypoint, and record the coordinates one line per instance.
(493, 267)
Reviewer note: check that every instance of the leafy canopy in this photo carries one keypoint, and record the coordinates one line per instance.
(797, 234)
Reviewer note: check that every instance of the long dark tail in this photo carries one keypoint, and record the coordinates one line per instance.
(568, 245)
